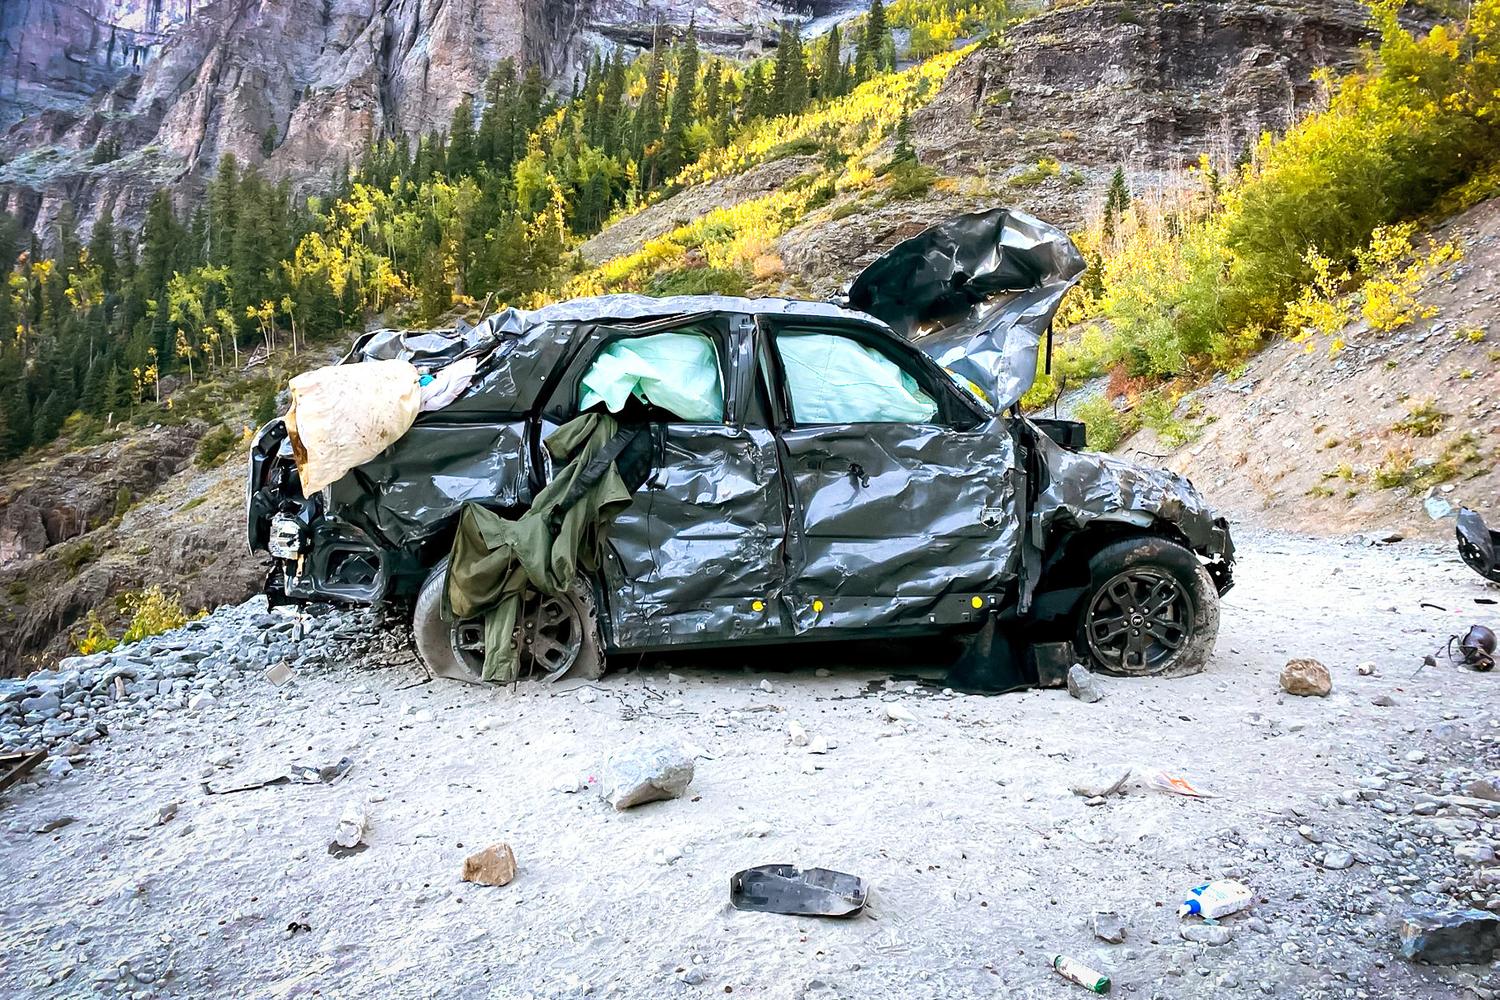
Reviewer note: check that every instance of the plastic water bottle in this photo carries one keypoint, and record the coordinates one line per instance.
(1216, 899)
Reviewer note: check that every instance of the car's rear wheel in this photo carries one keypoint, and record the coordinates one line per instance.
(1150, 609)
(556, 634)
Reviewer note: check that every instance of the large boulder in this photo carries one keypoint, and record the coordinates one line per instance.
(1450, 937)
(645, 771)
(1306, 677)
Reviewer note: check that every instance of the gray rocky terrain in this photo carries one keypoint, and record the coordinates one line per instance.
(132, 871)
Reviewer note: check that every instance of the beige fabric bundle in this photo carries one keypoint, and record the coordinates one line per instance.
(344, 415)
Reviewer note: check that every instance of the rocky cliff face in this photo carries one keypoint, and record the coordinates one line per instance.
(178, 84)
(1143, 85)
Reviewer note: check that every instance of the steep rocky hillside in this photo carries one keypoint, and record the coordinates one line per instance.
(1041, 120)
(1394, 432)
(80, 525)
(177, 85)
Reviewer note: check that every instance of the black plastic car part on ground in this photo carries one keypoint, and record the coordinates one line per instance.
(762, 526)
(1478, 546)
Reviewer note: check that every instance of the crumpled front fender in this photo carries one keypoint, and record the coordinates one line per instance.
(1081, 488)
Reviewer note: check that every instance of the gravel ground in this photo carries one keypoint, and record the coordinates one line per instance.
(124, 878)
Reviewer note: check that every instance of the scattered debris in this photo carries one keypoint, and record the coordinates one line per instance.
(495, 865)
(798, 891)
(1083, 685)
(1164, 781)
(301, 774)
(1306, 677)
(1109, 926)
(1076, 972)
(279, 674)
(1450, 937)
(796, 733)
(645, 771)
(1366, 669)
(1476, 647)
(54, 824)
(349, 838)
(897, 712)
(166, 812)
(14, 766)
(1101, 789)
(1216, 899)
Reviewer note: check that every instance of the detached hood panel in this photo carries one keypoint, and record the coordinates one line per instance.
(976, 293)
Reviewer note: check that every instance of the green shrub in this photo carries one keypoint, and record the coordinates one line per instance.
(1423, 420)
(699, 281)
(1107, 427)
(1419, 121)
(215, 445)
(908, 178)
(1156, 411)
(77, 555)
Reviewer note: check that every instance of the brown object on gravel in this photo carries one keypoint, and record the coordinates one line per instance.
(495, 865)
(1306, 677)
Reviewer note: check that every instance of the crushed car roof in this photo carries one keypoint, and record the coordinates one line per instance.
(976, 293)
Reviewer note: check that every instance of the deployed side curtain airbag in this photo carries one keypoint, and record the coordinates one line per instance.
(678, 372)
(836, 380)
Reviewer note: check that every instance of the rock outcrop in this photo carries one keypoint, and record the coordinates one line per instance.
(1143, 85)
(175, 85)
(78, 529)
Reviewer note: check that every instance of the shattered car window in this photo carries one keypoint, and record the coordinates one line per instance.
(837, 380)
(678, 372)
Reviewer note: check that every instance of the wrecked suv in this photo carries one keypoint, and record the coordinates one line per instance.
(800, 471)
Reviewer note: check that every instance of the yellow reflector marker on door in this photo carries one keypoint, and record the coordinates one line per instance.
(757, 605)
(818, 606)
(976, 602)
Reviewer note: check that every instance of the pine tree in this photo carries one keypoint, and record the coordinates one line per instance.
(462, 155)
(102, 252)
(494, 143)
(1116, 201)
(904, 151)
(831, 72)
(755, 98)
(684, 91)
(223, 198)
(613, 113)
(876, 51)
(878, 38)
(789, 86)
(648, 121)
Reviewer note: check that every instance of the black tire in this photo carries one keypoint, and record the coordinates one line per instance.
(456, 649)
(1150, 609)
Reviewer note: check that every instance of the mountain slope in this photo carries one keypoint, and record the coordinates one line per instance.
(1358, 441)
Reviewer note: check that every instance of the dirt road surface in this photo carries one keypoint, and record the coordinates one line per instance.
(983, 862)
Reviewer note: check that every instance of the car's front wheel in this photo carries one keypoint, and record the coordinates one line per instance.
(556, 635)
(1150, 609)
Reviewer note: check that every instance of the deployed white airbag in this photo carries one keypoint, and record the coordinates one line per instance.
(344, 415)
(836, 380)
(678, 372)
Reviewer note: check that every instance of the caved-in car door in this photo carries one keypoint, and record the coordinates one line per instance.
(904, 493)
(696, 557)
